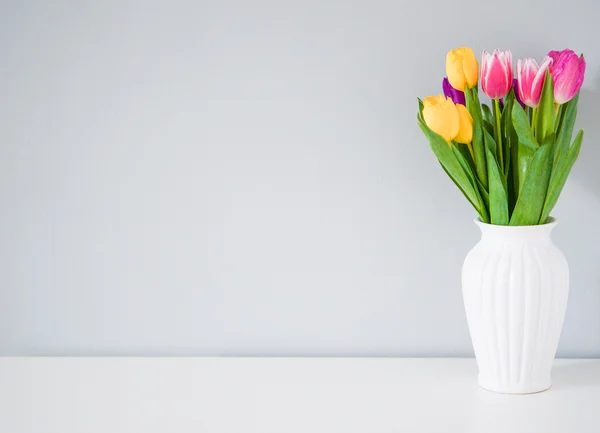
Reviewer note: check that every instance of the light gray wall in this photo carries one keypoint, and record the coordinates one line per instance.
(247, 177)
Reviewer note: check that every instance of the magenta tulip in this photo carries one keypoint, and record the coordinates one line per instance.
(531, 79)
(496, 73)
(567, 71)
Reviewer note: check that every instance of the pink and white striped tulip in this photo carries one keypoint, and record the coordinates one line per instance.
(567, 71)
(531, 76)
(496, 73)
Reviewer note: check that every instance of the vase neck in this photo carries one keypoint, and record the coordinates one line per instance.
(539, 234)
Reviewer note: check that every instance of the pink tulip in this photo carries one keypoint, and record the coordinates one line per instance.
(531, 79)
(496, 73)
(567, 71)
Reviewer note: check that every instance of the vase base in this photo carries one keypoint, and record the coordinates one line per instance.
(514, 388)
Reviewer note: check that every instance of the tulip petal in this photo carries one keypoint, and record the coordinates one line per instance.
(554, 55)
(465, 131)
(496, 73)
(454, 70)
(568, 70)
(531, 79)
(470, 67)
(538, 81)
(456, 95)
(441, 116)
(516, 86)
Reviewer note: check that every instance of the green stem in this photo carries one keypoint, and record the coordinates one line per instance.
(498, 133)
(558, 118)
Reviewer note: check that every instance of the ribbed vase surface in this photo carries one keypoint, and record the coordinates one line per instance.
(515, 288)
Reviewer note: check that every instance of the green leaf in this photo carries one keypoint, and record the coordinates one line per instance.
(560, 114)
(497, 195)
(544, 121)
(507, 163)
(560, 173)
(492, 146)
(479, 152)
(490, 143)
(508, 100)
(466, 153)
(533, 192)
(464, 163)
(498, 133)
(507, 125)
(513, 173)
(489, 128)
(565, 130)
(521, 125)
(473, 105)
(468, 169)
(510, 142)
(483, 214)
(483, 193)
(487, 113)
(452, 166)
(527, 144)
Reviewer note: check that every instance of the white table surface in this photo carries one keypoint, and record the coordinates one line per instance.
(308, 395)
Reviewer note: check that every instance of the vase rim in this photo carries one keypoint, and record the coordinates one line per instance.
(550, 224)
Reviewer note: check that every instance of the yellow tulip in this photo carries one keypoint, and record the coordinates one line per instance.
(441, 115)
(465, 130)
(462, 68)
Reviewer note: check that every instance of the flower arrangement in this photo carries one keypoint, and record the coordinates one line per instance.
(511, 158)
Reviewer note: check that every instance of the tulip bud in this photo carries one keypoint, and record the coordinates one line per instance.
(441, 116)
(496, 73)
(567, 72)
(462, 68)
(531, 80)
(465, 130)
(457, 96)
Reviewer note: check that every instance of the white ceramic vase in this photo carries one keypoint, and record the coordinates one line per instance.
(515, 289)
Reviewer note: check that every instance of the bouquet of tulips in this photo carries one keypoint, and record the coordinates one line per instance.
(510, 158)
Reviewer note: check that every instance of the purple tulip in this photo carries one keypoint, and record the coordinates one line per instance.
(457, 96)
(567, 70)
(516, 89)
